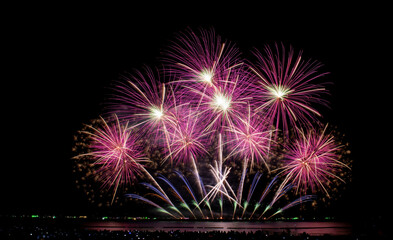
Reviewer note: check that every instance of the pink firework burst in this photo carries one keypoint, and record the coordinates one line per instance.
(222, 103)
(312, 160)
(285, 87)
(200, 58)
(144, 101)
(187, 141)
(250, 138)
(211, 72)
(187, 138)
(116, 152)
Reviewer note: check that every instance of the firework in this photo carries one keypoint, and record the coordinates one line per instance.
(158, 207)
(250, 139)
(187, 139)
(171, 204)
(312, 160)
(201, 58)
(116, 153)
(211, 72)
(215, 108)
(223, 103)
(145, 101)
(298, 201)
(194, 199)
(221, 184)
(219, 195)
(286, 87)
(254, 183)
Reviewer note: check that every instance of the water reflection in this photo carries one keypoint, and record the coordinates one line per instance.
(311, 228)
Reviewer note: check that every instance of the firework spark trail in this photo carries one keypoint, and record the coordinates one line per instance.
(239, 194)
(222, 187)
(177, 194)
(253, 185)
(189, 189)
(188, 186)
(298, 201)
(161, 209)
(281, 191)
(220, 161)
(221, 183)
(286, 87)
(159, 193)
(263, 195)
(312, 160)
(215, 190)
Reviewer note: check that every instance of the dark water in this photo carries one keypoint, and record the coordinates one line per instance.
(312, 228)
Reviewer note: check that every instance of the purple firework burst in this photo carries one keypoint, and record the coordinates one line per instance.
(285, 87)
(187, 139)
(250, 138)
(116, 152)
(200, 58)
(145, 101)
(211, 74)
(312, 160)
(222, 103)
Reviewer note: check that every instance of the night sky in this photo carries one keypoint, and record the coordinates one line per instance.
(61, 64)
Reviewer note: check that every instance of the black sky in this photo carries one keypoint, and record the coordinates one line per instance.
(62, 61)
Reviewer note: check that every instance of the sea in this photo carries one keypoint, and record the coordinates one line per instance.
(294, 227)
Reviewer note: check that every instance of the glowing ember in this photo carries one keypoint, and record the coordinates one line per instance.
(221, 101)
(206, 76)
(156, 113)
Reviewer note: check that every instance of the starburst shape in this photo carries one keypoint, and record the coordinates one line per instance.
(312, 160)
(286, 88)
(250, 138)
(116, 153)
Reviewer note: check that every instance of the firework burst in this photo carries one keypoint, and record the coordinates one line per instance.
(187, 139)
(116, 153)
(201, 57)
(223, 103)
(251, 138)
(312, 160)
(211, 74)
(286, 88)
(145, 101)
(187, 142)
